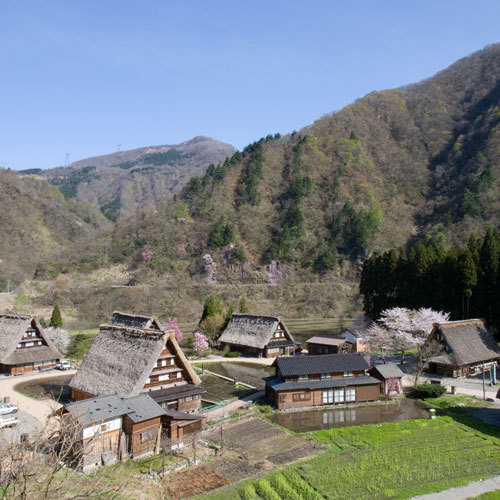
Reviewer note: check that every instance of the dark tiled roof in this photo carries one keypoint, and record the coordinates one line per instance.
(387, 371)
(97, 410)
(468, 342)
(326, 363)
(358, 332)
(172, 393)
(278, 384)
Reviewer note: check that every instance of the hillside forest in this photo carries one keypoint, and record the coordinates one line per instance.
(408, 177)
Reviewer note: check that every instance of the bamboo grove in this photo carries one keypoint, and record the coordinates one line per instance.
(462, 280)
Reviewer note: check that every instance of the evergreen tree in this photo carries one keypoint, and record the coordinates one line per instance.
(243, 305)
(56, 318)
(467, 278)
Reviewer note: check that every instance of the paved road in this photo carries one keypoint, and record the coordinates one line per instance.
(40, 409)
(27, 425)
(470, 490)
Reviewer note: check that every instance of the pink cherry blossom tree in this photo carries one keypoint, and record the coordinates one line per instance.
(172, 325)
(59, 337)
(200, 343)
(380, 339)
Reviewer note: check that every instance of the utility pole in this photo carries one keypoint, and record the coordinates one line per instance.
(484, 389)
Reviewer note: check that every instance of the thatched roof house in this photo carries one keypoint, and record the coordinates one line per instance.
(258, 335)
(129, 361)
(24, 346)
(140, 321)
(466, 346)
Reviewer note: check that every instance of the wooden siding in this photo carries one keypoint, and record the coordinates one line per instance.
(79, 395)
(136, 433)
(24, 368)
(158, 370)
(285, 399)
(94, 448)
(315, 349)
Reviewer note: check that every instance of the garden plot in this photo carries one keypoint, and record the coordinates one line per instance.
(393, 460)
(194, 481)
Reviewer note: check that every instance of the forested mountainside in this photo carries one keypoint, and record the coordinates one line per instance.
(402, 165)
(40, 228)
(121, 182)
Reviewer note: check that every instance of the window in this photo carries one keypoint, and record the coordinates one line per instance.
(189, 398)
(327, 396)
(163, 362)
(326, 375)
(302, 396)
(179, 374)
(163, 377)
(350, 395)
(171, 361)
(272, 350)
(303, 377)
(339, 396)
(148, 381)
(103, 428)
(30, 344)
(282, 398)
(39, 342)
(147, 436)
(18, 345)
(348, 374)
(196, 397)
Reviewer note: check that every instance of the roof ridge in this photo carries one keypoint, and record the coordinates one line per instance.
(136, 315)
(278, 318)
(131, 329)
(16, 316)
(461, 321)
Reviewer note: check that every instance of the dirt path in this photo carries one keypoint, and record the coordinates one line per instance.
(470, 490)
(38, 408)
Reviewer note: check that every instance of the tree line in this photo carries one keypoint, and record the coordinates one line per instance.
(463, 280)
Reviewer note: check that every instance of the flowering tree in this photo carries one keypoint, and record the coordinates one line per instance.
(380, 339)
(172, 325)
(200, 343)
(407, 328)
(59, 337)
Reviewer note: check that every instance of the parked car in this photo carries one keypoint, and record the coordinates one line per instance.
(6, 408)
(8, 421)
(63, 365)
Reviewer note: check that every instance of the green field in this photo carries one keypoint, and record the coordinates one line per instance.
(393, 460)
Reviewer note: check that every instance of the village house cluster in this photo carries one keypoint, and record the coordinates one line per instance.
(136, 392)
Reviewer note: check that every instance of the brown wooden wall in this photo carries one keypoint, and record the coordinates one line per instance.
(18, 369)
(79, 395)
(369, 392)
(138, 448)
(94, 447)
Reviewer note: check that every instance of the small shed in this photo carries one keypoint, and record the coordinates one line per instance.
(329, 345)
(391, 377)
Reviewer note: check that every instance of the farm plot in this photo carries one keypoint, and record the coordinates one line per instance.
(393, 460)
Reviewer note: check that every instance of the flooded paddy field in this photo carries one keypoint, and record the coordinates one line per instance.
(47, 388)
(313, 420)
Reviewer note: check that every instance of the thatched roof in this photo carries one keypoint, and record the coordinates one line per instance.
(466, 342)
(12, 329)
(252, 331)
(120, 360)
(130, 320)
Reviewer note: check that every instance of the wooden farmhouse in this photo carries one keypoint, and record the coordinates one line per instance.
(262, 336)
(321, 380)
(129, 361)
(356, 336)
(466, 348)
(391, 377)
(24, 346)
(329, 345)
(111, 428)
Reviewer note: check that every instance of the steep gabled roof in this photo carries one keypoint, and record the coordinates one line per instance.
(140, 321)
(12, 329)
(467, 342)
(326, 363)
(252, 330)
(120, 360)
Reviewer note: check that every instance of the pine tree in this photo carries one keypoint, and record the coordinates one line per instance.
(243, 305)
(467, 277)
(56, 319)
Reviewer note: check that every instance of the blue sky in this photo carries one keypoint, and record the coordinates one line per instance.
(81, 77)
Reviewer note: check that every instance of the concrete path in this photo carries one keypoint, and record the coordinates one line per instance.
(222, 359)
(470, 490)
(234, 405)
(38, 408)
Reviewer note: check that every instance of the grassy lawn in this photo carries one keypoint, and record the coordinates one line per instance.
(393, 460)
(457, 404)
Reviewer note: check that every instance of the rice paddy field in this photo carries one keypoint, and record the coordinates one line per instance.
(394, 460)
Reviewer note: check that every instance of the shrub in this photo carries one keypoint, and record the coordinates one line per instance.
(265, 409)
(232, 354)
(423, 391)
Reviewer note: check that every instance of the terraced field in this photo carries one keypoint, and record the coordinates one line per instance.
(394, 460)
